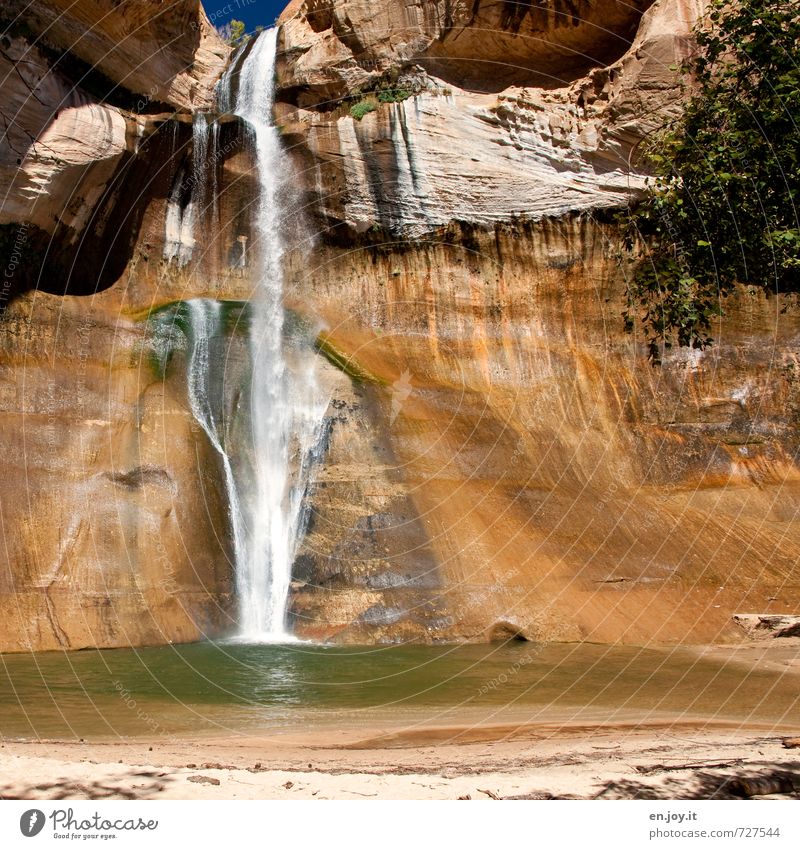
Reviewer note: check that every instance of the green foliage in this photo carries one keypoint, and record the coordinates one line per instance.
(722, 205)
(362, 108)
(344, 362)
(396, 95)
(238, 31)
(234, 32)
(372, 100)
(394, 86)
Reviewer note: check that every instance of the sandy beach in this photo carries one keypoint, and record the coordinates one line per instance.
(678, 760)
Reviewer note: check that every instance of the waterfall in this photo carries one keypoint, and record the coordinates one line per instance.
(286, 405)
(212, 164)
(181, 223)
(200, 161)
(205, 325)
(179, 236)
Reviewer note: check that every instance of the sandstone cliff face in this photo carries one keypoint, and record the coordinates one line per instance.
(167, 52)
(502, 459)
(115, 523)
(454, 153)
(83, 86)
(511, 464)
(51, 139)
(336, 46)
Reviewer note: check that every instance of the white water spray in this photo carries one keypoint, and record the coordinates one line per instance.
(180, 238)
(286, 405)
(204, 325)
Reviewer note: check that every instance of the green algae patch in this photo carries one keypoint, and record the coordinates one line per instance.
(168, 328)
(345, 363)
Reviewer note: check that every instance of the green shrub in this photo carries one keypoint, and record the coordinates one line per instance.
(722, 205)
(362, 108)
(234, 33)
(394, 95)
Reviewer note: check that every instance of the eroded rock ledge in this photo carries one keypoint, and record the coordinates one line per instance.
(450, 152)
(166, 52)
(87, 86)
(336, 46)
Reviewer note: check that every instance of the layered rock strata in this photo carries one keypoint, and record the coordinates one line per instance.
(502, 460)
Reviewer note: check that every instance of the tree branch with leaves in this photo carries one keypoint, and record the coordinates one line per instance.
(722, 205)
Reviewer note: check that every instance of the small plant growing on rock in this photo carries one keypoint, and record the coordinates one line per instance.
(362, 108)
(397, 95)
(233, 33)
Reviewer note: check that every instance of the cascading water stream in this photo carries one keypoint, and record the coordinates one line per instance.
(286, 406)
(180, 238)
(204, 325)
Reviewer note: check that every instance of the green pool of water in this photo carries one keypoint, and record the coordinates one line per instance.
(218, 688)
